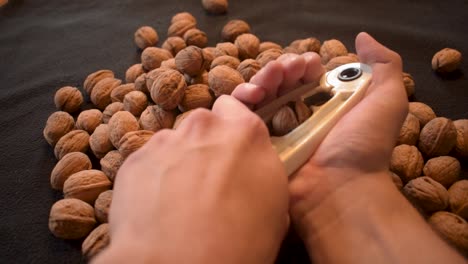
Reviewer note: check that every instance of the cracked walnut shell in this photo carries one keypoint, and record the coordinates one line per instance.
(426, 194)
(407, 162)
(71, 219)
(437, 137)
(68, 99)
(444, 169)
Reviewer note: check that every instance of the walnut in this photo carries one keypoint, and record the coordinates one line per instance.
(444, 169)
(88, 120)
(233, 29)
(437, 137)
(303, 112)
(331, 49)
(200, 79)
(86, 185)
(102, 205)
(71, 219)
(268, 55)
(168, 89)
(195, 37)
(133, 72)
(248, 45)
(69, 164)
(152, 57)
(306, 45)
(338, 61)
(94, 78)
(73, 141)
(426, 194)
(152, 76)
(58, 124)
(120, 124)
(409, 132)
(226, 60)
(140, 83)
(111, 110)
(119, 92)
(223, 80)
(446, 60)
(155, 118)
(169, 64)
(179, 27)
(195, 96)
(284, 121)
(135, 102)
(226, 48)
(407, 162)
(96, 241)
(111, 163)
(183, 16)
(99, 141)
(215, 7)
(174, 45)
(266, 45)
(101, 94)
(408, 81)
(190, 61)
(461, 145)
(452, 228)
(209, 54)
(133, 140)
(396, 180)
(458, 198)
(146, 36)
(248, 68)
(422, 111)
(68, 99)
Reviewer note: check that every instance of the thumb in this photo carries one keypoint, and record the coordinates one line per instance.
(228, 107)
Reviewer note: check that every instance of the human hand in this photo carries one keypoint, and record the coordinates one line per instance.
(212, 189)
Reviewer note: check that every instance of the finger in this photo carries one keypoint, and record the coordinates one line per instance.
(228, 107)
(269, 79)
(294, 67)
(249, 93)
(314, 68)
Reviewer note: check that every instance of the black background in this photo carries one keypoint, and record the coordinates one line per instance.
(45, 45)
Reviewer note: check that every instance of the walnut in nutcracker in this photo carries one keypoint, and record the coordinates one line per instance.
(248, 68)
(458, 198)
(88, 120)
(58, 124)
(110, 164)
(426, 194)
(195, 37)
(68, 99)
(303, 112)
(168, 89)
(135, 102)
(120, 124)
(133, 72)
(96, 241)
(215, 7)
(248, 45)
(444, 169)
(70, 163)
(86, 185)
(74, 141)
(223, 80)
(452, 228)
(409, 132)
(284, 121)
(99, 141)
(101, 93)
(94, 78)
(407, 162)
(152, 57)
(155, 118)
(446, 60)
(233, 29)
(332, 48)
(71, 219)
(133, 140)
(146, 36)
(102, 205)
(437, 137)
(196, 96)
(174, 45)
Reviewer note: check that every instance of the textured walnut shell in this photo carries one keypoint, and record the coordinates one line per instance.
(155, 118)
(396, 180)
(152, 57)
(88, 120)
(268, 55)
(437, 137)
(71, 219)
(119, 92)
(223, 80)
(303, 112)
(111, 163)
(306, 45)
(102, 205)
(226, 48)
(409, 132)
(169, 64)
(338, 61)
(200, 79)
(111, 110)
(140, 83)
(135, 102)
(99, 141)
(174, 45)
(461, 145)
(458, 198)
(133, 140)
(58, 124)
(183, 16)
(190, 61)
(248, 45)
(248, 68)
(101, 94)
(407, 162)
(168, 89)
(446, 60)
(73, 141)
(96, 241)
(426, 194)
(195, 96)
(179, 27)
(215, 7)
(86, 185)
(234, 28)
(225, 60)
(120, 124)
(195, 37)
(266, 45)
(152, 76)
(408, 81)
(284, 121)
(331, 49)
(68, 99)
(68, 165)
(444, 169)
(133, 72)
(422, 111)
(94, 78)
(452, 228)
(146, 36)
(209, 54)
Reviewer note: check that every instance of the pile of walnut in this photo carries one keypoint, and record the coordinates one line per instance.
(183, 74)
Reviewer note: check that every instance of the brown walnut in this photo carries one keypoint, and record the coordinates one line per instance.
(71, 219)
(233, 29)
(409, 132)
(68, 99)
(146, 36)
(174, 45)
(248, 68)
(120, 124)
(96, 241)
(179, 27)
(437, 137)
(461, 145)
(155, 118)
(338, 61)
(225, 60)
(426, 194)
(248, 45)
(101, 93)
(135, 102)
(446, 60)
(86, 185)
(88, 120)
(68, 165)
(190, 61)
(331, 49)
(94, 78)
(102, 205)
(266, 45)
(226, 48)
(152, 57)
(422, 111)
(215, 7)
(58, 124)
(133, 140)
(444, 169)
(452, 228)
(268, 55)
(223, 80)
(119, 92)
(73, 141)
(195, 96)
(111, 110)
(458, 198)
(195, 37)
(284, 121)
(110, 164)
(99, 141)
(183, 16)
(133, 72)
(407, 162)
(168, 89)
(408, 81)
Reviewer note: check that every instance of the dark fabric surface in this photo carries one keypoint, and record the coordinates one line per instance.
(48, 44)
